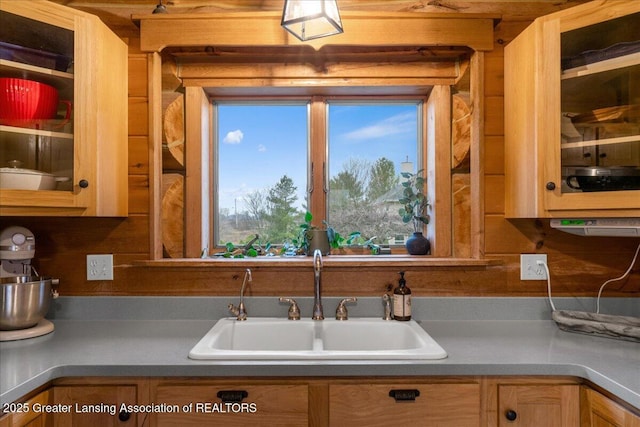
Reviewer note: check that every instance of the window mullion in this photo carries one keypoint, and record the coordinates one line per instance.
(318, 160)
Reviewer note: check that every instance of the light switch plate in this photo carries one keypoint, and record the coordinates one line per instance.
(100, 267)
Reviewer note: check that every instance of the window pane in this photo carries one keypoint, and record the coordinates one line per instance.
(370, 144)
(261, 171)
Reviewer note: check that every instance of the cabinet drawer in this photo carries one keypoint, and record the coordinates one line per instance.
(233, 404)
(373, 405)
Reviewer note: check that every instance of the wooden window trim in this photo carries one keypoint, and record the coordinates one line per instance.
(197, 236)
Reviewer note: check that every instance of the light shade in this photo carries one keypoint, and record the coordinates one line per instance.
(311, 19)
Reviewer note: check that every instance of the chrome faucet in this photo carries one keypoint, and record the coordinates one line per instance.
(240, 312)
(317, 295)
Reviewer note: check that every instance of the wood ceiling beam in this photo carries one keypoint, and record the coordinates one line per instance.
(262, 29)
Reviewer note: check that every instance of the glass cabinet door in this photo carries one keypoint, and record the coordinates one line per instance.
(600, 102)
(36, 116)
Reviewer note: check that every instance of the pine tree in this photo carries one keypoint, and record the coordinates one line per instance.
(282, 212)
(383, 178)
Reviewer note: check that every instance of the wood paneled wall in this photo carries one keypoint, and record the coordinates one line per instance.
(578, 265)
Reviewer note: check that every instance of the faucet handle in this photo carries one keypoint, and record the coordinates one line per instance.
(294, 310)
(341, 310)
(387, 307)
(240, 311)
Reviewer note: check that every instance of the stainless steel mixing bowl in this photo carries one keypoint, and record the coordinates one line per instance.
(25, 301)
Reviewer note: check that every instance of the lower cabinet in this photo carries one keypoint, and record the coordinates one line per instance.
(201, 402)
(534, 405)
(26, 414)
(320, 402)
(406, 404)
(600, 411)
(95, 405)
(80, 402)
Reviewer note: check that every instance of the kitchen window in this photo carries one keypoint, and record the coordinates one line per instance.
(339, 159)
(425, 59)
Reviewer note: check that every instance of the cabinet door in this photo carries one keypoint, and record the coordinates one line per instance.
(598, 74)
(572, 114)
(29, 413)
(95, 406)
(72, 158)
(598, 411)
(268, 405)
(371, 405)
(538, 405)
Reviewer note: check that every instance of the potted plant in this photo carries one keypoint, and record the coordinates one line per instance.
(311, 237)
(415, 203)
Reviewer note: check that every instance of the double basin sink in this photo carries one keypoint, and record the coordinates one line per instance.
(306, 339)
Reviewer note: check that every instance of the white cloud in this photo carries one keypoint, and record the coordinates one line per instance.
(233, 137)
(262, 148)
(394, 125)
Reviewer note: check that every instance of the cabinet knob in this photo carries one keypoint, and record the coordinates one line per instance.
(511, 415)
(124, 416)
(83, 183)
(551, 185)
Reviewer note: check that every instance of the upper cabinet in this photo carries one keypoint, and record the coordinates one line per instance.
(572, 114)
(63, 119)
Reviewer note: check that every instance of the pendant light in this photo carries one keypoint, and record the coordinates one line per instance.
(311, 19)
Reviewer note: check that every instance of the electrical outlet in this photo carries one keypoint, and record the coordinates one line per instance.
(100, 267)
(529, 268)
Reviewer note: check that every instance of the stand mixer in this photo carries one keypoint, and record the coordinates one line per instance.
(25, 296)
(17, 249)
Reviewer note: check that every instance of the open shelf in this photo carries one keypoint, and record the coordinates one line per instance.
(607, 141)
(38, 132)
(602, 66)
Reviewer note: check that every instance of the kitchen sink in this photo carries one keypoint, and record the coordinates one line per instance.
(266, 335)
(355, 339)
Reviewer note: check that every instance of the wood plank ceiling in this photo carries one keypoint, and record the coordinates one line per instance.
(117, 13)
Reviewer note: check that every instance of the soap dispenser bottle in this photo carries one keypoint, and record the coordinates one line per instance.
(402, 300)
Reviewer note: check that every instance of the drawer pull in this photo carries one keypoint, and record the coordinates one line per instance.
(232, 396)
(404, 395)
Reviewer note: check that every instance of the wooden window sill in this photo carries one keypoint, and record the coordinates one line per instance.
(328, 261)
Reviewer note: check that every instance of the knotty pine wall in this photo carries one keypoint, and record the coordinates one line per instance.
(578, 265)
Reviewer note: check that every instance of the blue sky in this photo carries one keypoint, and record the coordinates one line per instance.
(258, 144)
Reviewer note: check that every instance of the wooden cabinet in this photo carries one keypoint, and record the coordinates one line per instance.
(96, 405)
(534, 405)
(256, 403)
(572, 114)
(80, 402)
(410, 404)
(85, 146)
(321, 402)
(29, 413)
(599, 411)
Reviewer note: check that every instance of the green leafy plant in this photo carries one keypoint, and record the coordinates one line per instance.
(414, 200)
(302, 240)
(251, 249)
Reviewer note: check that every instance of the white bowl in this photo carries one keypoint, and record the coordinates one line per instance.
(28, 179)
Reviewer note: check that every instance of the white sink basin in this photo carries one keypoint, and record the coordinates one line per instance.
(329, 339)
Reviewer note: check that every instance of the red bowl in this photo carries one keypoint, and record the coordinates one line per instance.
(24, 100)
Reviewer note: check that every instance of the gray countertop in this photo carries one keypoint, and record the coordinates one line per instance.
(118, 337)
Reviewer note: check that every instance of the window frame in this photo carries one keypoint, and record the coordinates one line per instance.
(317, 185)
(437, 111)
(199, 176)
